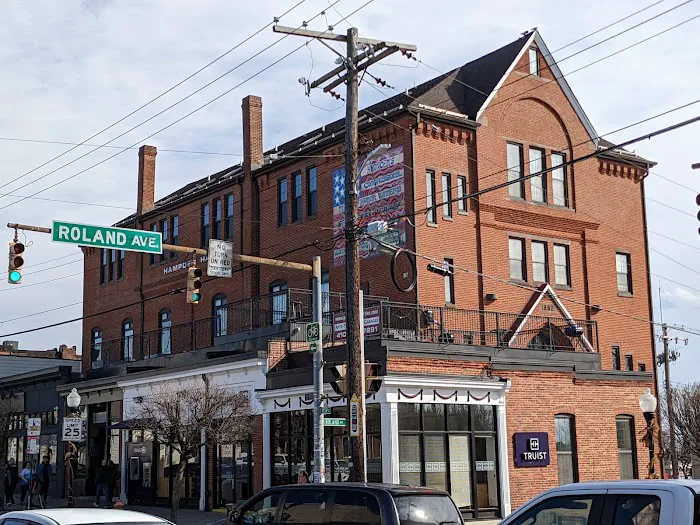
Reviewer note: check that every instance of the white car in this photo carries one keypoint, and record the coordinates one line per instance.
(79, 517)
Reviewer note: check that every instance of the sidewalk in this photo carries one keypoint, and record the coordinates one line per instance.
(185, 516)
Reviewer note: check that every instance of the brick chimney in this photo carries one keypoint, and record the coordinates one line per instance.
(252, 133)
(147, 179)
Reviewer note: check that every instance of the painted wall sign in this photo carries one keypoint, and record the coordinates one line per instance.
(531, 449)
(381, 197)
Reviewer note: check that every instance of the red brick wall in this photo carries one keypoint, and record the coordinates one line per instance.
(258, 455)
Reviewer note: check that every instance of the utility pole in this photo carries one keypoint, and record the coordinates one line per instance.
(669, 401)
(352, 64)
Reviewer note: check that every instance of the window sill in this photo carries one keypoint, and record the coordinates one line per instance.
(624, 294)
(518, 281)
(516, 199)
(448, 218)
(450, 305)
(537, 283)
(562, 287)
(462, 213)
(431, 224)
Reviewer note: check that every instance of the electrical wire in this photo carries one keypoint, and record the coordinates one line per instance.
(161, 95)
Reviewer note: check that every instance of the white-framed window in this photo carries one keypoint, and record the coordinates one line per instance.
(539, 262)
(128, 340)
(562, 274)
(516, 254)
(560, 190)
(462, 204)
(279, 302)
(446, 195)
(533, 61)
(623, 266)
(449, 282)
(626, 447)
(430, 196)
(538, 184)
(514, 158)
(220, 315)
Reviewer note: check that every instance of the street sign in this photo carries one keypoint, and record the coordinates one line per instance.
(313, 347)
(72, 429)
(33, 445)
(335, 422)
(220, 259)
(326, 411)
(33, 427)
(313, 332)
(354, 416)
(109, 237)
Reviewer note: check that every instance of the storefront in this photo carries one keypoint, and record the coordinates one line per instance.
(442, 432)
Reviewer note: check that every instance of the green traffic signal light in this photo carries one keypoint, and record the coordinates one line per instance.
(196, 296)
(14, 276)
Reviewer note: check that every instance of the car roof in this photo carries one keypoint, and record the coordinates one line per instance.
(693, 485)
(394, 490)
(85, 516)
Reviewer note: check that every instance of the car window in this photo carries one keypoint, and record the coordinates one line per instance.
(261, 511)
(638, 509)
(304, 506)
(355, 507)
(418, 509)
(572, 510)
(11, 521)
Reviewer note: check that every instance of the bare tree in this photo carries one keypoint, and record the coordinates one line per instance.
(686, 414)
(9, 406)
(176, 416)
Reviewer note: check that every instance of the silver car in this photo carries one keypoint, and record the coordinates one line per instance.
(79, 517)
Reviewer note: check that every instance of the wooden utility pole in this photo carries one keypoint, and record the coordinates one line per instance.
(669, 401)
(374, 51)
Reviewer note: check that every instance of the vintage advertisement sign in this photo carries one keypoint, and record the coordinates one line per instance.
(381, 197)
(373, 324)
(531, 449)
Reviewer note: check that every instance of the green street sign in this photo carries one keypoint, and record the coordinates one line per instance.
(313, 347)
(326, 411)
(107, 237)
(313, 332)
(335, 422)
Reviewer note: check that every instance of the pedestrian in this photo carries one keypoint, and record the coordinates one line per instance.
(14, 477)
(104, 479)
(303, 477)
(8, 485)
(113, 479)
(43, 473)
(25, 477)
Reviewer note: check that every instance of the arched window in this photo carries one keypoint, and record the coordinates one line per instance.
(96, 344)
(278, 289)
(164, 339)
(220, 315)
(626, 447)
(567, 456)
(128, 340)
(550, 337)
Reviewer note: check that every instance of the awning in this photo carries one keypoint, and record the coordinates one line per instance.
(123, 425)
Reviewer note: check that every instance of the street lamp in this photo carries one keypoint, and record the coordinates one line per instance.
(73, 402)
(647, 403)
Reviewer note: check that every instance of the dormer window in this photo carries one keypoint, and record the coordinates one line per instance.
(534, 62)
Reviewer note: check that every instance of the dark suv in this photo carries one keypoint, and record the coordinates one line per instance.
(349, 503)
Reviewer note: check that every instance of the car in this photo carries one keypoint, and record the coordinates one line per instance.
(357, 503)
(633, 502)
(79, 517)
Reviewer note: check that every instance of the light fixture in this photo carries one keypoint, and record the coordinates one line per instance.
(491, 296)
(647, 402)
(73, 399)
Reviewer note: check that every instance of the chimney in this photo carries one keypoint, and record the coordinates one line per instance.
(147, 179)
(252, 133)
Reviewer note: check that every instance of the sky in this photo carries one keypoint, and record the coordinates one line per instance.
(72, 68)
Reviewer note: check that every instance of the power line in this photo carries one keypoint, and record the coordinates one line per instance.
(674, 182)
(669, 206)
(186, 115)
(160, 95)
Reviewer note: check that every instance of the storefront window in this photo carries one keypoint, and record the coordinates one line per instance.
(292, 446)
(451, 447)
(235, 472)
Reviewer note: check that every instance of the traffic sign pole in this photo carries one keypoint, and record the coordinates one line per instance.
(317, 333)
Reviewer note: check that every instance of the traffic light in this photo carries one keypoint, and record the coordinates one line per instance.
(16, 261)
(373, 381)
(697, 201)
(194, 283)
(339, 381)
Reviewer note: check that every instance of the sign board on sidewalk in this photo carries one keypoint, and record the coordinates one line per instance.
(33, 444)
(372, 320)
(354, 416)
(33, 426)
(109, 237)
(313, 332)
(72, 429)
(220, 261)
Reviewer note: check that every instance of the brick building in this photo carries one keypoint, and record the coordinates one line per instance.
(536, 339)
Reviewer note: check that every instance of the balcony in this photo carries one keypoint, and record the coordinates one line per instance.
(285, 314)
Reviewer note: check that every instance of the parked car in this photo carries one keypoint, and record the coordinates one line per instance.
(79, 517)
(639, 502)
(357, 503)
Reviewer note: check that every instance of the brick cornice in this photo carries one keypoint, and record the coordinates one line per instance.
(504, 216)
(624, 171)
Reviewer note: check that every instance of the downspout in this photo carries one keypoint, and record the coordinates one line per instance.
(240, 222)
(415, 222)
(651, 311)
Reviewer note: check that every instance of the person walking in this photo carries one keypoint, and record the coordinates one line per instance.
(8, 484)
(43, 472)
(104, 480)
(25, 477)
(14, 477)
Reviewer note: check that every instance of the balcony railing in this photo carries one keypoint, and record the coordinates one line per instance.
(291, 309)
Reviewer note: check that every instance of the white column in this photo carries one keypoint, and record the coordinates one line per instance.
(504, 471)
(267, 456)
(124, 467)
(390, 443)
(203, 472)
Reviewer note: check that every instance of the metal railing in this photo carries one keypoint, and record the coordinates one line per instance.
(398, 321)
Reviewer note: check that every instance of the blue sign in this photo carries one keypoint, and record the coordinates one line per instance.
(531, 449)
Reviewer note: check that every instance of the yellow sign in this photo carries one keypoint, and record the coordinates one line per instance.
(355, 398)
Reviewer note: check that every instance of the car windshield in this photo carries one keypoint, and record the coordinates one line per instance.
(126, 523)
(419, 509)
